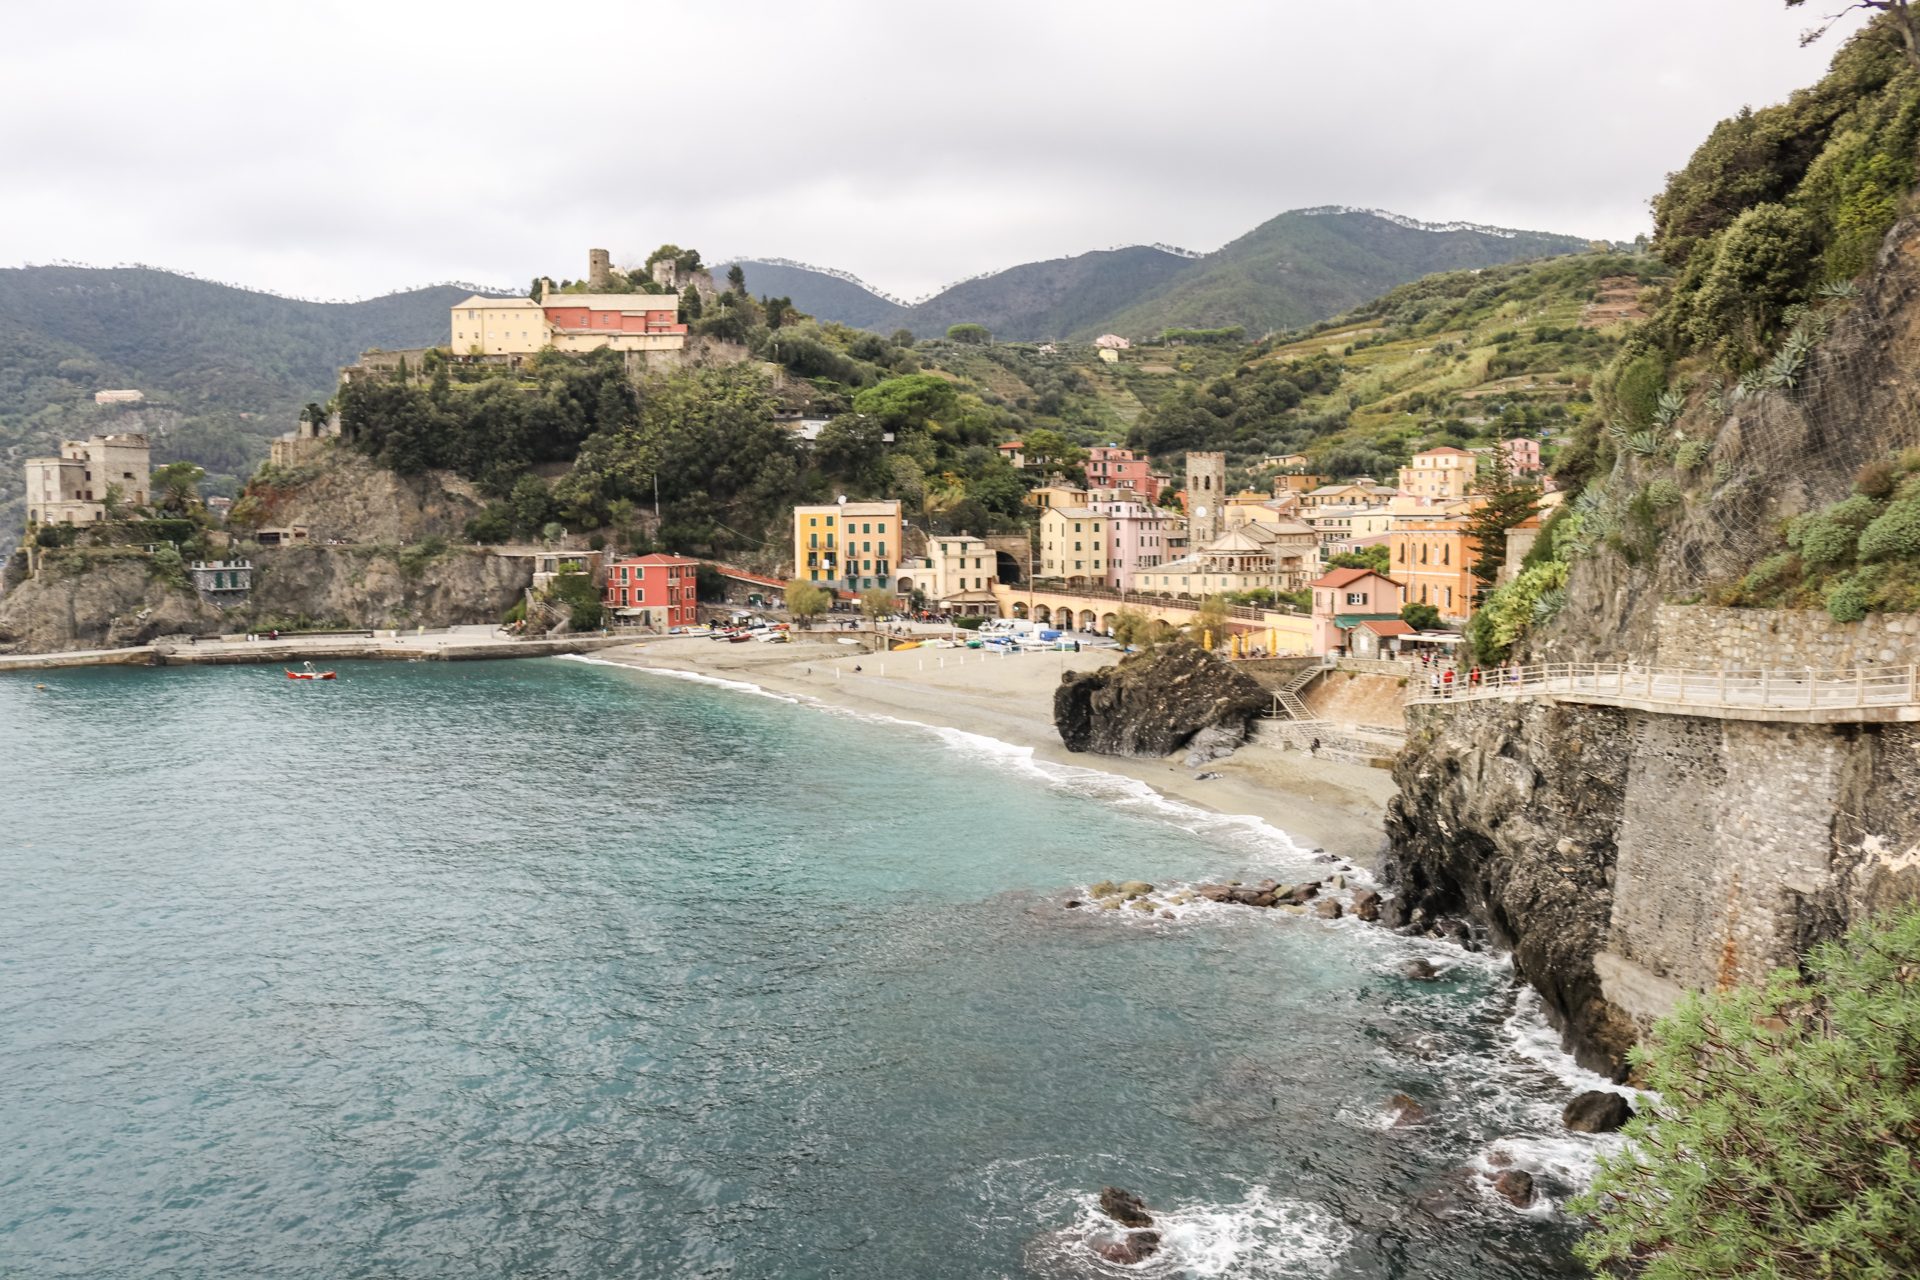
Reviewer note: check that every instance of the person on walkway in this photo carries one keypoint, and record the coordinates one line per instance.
(1473, 678)
(1446, 683)
(1433, 683)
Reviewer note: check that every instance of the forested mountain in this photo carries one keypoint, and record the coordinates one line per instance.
(234, 365)
(1296, 269)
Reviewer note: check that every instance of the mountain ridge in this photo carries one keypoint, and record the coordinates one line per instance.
(1080, 295)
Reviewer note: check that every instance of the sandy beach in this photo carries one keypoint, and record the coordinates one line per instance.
(1320, 803)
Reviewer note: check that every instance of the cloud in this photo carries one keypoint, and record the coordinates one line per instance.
(334, 149)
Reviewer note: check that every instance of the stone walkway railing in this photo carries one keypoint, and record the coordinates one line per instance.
(1788, 695)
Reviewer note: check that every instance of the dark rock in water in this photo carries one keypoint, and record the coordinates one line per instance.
(1395, 912)
(1427, 1046)
(1516, 1187)
(1214, 892)
(1596, 1111)
(1155, 703)
(1135, 1246)
(1125, 1208)
(1072, 903)
(1250, 896)
(1327, 909)
(1321, 855)
(1304, 893)
(1366, 904)
(1405, 1111)
(1421, 971)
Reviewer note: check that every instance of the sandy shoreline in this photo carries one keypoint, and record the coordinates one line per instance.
(1319, 803)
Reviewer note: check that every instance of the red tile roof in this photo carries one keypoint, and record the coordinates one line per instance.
(1341, 577)
(1393, 628)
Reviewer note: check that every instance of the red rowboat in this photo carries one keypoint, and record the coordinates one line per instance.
(309, 675)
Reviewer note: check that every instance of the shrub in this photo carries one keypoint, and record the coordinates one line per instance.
(168, 566)
(1779, 1139)
(1691, 454)
(491, 526)
(1876, 480)
(1827, 538)
(1895, 533)
(1847, 600)
(55, 535)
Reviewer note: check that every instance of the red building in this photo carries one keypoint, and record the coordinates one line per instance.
(653, 591)
(622, 313)
(1111, 467)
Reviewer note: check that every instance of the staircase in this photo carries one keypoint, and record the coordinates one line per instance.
(544, 616)
(1287, 697)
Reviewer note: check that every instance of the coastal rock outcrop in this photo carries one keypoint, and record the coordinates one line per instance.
(109, 605)
(1597, 1111)
(1155, 703)
(342, 494)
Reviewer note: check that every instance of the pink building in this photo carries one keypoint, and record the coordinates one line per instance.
(1523, 456)
(1141, 537)
(1347, 600)
(1111, 467)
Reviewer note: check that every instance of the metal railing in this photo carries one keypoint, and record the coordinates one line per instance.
(1805, 690)
(1042, 587)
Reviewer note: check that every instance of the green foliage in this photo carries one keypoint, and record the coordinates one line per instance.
(1761, 264)
(585, 609)
(1132, 626)
(169, 566)
(1690, 455)
(414, 561)
(1209, 622)
(1508, 501)
(708, 583)
(1779, 1140)
(876, 603)
(1847, 600)
(1506, 614)
(1378, 559)
(806, 601)
(491, 527)
(969, 623)
(55, 535)
(1827, 538)
(1421, 617)
(972, 334)
(1895, 533)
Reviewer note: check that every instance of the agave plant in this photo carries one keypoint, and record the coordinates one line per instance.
(1716, 396)
(1839, 289)
(1644, 443)
(1669, 407)
(1783, 371)
(1550, 602)
(1752, 384)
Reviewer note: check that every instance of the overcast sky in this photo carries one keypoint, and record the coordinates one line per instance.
(342, 150)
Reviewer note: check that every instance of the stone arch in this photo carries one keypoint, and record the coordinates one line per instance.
(1019, 608)
(1042, 614)
(1087, 619)
(1106, 623)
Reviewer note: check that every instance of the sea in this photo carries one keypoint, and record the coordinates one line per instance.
(554, 968)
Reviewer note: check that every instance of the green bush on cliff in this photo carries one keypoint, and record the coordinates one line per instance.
(1504, 616)
(1895, 533)
(1781, 1141)
(1827, 538)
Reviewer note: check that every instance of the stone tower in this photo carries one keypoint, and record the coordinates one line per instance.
(599, 270)
(1206, 495)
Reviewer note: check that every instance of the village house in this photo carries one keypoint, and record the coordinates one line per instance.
(1056, 495)
(1140, 535)
(957, 575)
(1432, 557)
(1111, 467)
(1352, 493)
(73, 487)
(1074, 546)
(1444, 474)
(1358, 611)
(653, 590)
(1015, 452)
(847, 546)
(1343, 529)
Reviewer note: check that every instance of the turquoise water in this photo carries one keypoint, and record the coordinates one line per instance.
(554, 969)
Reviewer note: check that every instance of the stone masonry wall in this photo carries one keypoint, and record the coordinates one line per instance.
(1702, 637)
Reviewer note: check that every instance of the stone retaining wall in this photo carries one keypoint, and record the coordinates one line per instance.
(1703, 638)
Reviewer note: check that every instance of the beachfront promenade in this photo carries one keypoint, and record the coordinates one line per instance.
(451, 644)
(1860, 695)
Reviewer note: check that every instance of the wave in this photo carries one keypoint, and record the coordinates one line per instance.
(1259, 1235)
(691, 677)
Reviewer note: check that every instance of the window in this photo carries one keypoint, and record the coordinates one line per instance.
(1355, 597)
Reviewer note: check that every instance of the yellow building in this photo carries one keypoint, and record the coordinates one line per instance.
(498, 327)
(1444, 474)
(1073, 544)
(1432, 557)
(847, 546)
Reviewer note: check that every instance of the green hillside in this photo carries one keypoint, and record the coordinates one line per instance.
(1309, 264)
(234, 366)
(1464, 357)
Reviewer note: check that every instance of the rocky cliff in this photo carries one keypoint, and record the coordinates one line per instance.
(122, 601)
(1156, 703)
(341, 495)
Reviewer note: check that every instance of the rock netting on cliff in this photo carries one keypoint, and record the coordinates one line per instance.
(1156, 703)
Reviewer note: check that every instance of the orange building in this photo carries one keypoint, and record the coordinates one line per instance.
(1432, 557)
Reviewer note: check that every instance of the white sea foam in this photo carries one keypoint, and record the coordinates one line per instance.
(1259, 1235)
(692, 677)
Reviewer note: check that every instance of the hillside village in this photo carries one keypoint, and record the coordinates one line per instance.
(1092, 530)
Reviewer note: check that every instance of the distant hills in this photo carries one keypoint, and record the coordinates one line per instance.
(1296, 269)
(231, 365)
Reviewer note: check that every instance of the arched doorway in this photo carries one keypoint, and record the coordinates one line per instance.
(1106, 623)
(1019, 608)
(1042, 614)
(1087, 619)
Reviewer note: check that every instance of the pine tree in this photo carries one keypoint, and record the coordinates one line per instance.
(1508, 500)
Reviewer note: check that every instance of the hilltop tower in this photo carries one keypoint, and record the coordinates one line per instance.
(1206, 495)
(599, 270)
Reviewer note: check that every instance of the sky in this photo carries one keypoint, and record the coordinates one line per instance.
(342, 150)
